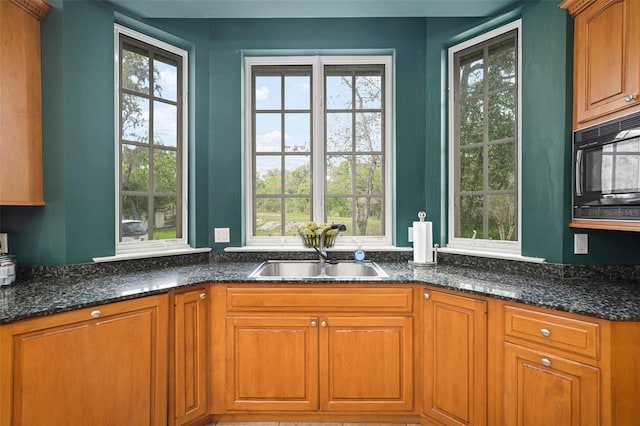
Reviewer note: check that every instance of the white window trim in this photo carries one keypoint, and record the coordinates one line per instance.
(152, 247)
(344, 241)
(481, 246)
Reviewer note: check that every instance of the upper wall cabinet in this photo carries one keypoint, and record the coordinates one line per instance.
(606, 59)
(21, 102)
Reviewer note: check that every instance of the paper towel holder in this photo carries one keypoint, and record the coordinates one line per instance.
(435, 259)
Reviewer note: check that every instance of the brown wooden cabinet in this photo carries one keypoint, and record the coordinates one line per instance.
(606, 60)
(455, 359)
(190, 372)
(98, 366)
(565, 369)
(21, 102)
(292, 349)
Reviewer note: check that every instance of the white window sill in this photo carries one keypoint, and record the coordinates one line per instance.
(149, 254)
(491, 254)
(284, 248)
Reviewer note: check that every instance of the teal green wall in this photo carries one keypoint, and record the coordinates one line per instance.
(78, 220)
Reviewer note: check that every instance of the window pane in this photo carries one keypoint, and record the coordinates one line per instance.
(502, 217)
(268, 175)
(339, 132)
(268, 133)
(368, 214)
(471, 74)
(297, 213)
(268, 92)
(165, 211)
(501, 69)
(471, 121)
(135, 71)
(165, 171)
(135, 168)
(165, 124)
(502, 173)
(297, 92)
(369, 174)
(502, 115)
(135, 207)
(339, 210)
(135, 118)
(297, 132)
(339, 92)
(369, 131)
(339, 178)
(166, 76)
(268, 217)
(298, 174)
(470, 217)
(368, 92)
(471, 169)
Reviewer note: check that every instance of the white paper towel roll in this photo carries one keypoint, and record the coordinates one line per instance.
(422, 242)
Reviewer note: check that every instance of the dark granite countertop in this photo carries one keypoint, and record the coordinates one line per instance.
(611, 299)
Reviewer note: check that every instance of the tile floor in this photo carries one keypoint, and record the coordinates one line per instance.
(307, 424)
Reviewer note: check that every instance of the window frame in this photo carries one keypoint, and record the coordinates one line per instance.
(481, 245)
(165, 245)
(318, 149)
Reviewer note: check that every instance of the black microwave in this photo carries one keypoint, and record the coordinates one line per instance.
(606, 170)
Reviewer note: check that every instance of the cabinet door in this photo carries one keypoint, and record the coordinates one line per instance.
(21, 102)
(105, 366)
(190, 355)
(366, 363)
(272, 363)
(455, 359)
(541, 389)
(607, 64)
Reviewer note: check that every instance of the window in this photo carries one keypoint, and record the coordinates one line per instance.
(484, 148)
(319, 139)
(150, 144)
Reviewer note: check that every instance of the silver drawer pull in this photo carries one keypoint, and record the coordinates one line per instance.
(426, 296)
(323, 324)
(95, 314)
(545, 332)
(630, 97)
(545, 362)
(314, 324)
(203, 296)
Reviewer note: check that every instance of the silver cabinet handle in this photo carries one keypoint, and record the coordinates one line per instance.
(203, 296)
(323, 324)
(314, 324)
(95, 314)
(545, 332)
(545, 362)
(630, 97)
(426, 296)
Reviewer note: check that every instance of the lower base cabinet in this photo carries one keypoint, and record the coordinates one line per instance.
(292, 349)
(100, 366)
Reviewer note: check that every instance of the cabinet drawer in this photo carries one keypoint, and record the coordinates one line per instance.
(554, 331)
(267, 299)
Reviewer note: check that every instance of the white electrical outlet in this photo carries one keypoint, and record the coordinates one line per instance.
(221, 235)
(4, 243)
(410, 234)
(581, 244)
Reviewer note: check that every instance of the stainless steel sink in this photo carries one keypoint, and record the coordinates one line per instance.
(312, 269)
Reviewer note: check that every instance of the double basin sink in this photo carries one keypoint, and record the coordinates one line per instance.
(313, 269)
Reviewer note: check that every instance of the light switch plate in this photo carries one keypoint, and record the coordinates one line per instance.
(221, 235)
(410, 234)
(581, 244)
(4, 243)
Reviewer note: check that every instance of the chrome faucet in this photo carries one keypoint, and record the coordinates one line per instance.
(322, 256)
